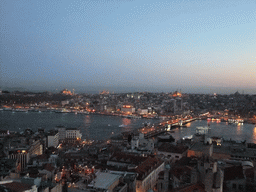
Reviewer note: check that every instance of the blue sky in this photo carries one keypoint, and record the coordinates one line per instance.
(198, 46)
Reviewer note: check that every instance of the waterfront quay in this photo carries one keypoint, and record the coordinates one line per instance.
(158, 155)
(163, 127)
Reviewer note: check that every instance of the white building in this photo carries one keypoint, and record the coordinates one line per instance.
(53, 140)
(73, 133)
(141, 142)
(22, 157)
(64, 102)
(148, 173)
(69, 134)
(142, 111)
(36, 148)
(128, 109)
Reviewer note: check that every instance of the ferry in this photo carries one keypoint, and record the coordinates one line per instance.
(63, 111)
(187, 137)
(202, 130)
(21, 110)
(7, 109)
(83, 112)
(235, 121)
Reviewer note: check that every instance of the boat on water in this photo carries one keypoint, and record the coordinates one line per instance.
(165, 136)
(34, 110)
(131, 116)
(202, 130)
(122, 125)
(82, 112)
(63, 111)
(235, 121)
(187, 137)
(21, 110)
(7, 109)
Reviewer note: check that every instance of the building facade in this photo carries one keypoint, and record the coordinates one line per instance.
(53, 140)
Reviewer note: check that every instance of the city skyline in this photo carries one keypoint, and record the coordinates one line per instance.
(195, 46)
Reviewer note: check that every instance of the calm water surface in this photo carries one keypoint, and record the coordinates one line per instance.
(234, 131)
(92, 126)
(102, 127)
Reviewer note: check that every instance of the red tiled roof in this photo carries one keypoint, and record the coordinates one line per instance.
(127, 158)
(147, 167)
(198, 187)
(17, 187)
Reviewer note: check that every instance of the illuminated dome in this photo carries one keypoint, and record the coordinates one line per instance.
(176, 94)
(66, 92)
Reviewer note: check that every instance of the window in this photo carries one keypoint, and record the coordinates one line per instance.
(176, 156)
(234, 186)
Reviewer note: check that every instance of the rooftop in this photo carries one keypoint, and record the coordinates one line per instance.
(127, 158)
(147, 167)
(105, 180)
(17, 187)
(179, 172)
(167, 147)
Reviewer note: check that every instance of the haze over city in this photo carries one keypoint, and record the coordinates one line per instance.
(124, 45)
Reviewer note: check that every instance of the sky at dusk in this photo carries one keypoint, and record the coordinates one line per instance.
(134, 45)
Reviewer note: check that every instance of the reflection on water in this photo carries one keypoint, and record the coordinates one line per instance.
(91, 126)
(87, 119)
(101, 127)
(254, 133)
(87, 123)
(227, 131)
(126, 121)
(238, 129)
